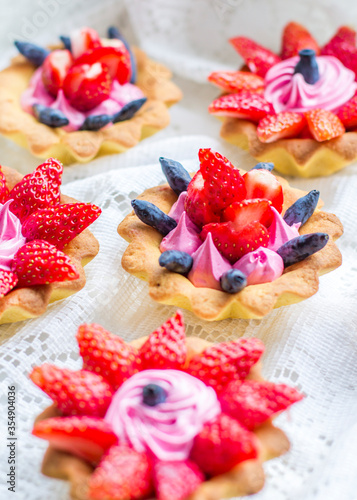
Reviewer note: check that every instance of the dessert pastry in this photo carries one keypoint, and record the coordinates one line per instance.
(44, 241)
(229, 244)
(87, 97)
(164, 417)
(298, 109)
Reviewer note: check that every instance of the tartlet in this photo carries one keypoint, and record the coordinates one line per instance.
(149, 115)
(297, 282)
(287, 117)
(95, 472)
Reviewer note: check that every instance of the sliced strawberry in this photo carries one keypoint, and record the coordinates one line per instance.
(37, 190)
(222, 444)
(234, 244)
(40, 263)
(280, 126)
(116, 59)
(107, 354)
(8, 281)
(343, 46)
(295, 38)
(259, 59)
(348, 113)
(54, 70)
(59, 225)
(219, 364)
(75, 392)
(252, 402)
(166, 346)
(123, 473)
(263, 184)
(235, 81)
(242, 213)
(324, 125)
(199, 206)
(84, 39)
(4, 192)
(176, 480)
(344, 34)
(244, 104)
(85, 437)
(86, 86)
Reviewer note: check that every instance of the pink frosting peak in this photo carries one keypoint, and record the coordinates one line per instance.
(287, 91)
(11, 239)
(178, 207)
(208, 265)
(185, 237)
(280, 232)
(169, 428)
(261, 266)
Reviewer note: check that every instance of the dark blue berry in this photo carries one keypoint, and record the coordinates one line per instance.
(176, 261)
(264, 166)
(113, 32)
(153, 395)
(233, 281)
(302, 209)
(35, 54)
(66, 42)
(307, 66)
(51, 117)
(129, 110)
(96, 122)
(177, 177)
(153, 216)
(301, 247)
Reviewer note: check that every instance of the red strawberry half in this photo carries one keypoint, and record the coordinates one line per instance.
(263, 184)
(280, 126)
(59, 225)
(348, 113)
(244, 104)
(295, 38)
(4, 192)
(85, 437)
(54, 70)
(107, 354)
(8, 281)
(242, 213)
(259, 59)
(40, 263)
(74, 392)
(235, 81)
(166, 346)
(324, 125)
(222, 444)
(252, 402)
(84, 39)
(343, 46)
(200, 207)
(176, 480)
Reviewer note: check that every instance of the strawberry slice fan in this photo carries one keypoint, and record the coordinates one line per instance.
(229, 243)
(297, 109)
(86, 97)
(165, 416)
(44, 241)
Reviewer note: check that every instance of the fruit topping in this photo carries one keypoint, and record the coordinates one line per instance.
(199, 205)
(296, 38)
(347, 113)
(96, 122)
(176, 480)
(302, 247)
(176, 261)
(263, 184)
(280, 126)
(242, 213)
(176, 175)
(324, 125)
(152, 216)
(153, 395)
(264, 166)
(258, 59)
(307, 66)
(50, 116)
(233, 281)
(343, 46)
(235, 81)
(8, 281)
(113, 32)
(82, 40)
(66, 42)
(302, 209)
(33, 53)
(244, 104)
(55, 69)
(129, 110)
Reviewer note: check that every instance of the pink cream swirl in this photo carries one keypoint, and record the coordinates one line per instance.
(11, 239)
(287, 91)
(167, 429)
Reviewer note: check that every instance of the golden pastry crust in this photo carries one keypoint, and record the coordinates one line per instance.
(300, 157)
(24, 303)
(153, 79)
(245, 479)
(297, 283)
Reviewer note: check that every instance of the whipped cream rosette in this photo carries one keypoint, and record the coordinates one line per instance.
(164, 417)
(229, 243)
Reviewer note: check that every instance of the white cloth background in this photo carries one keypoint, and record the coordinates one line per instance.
(311, 345)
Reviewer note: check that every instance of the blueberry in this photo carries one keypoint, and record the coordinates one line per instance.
(96, 122)
(153, 216)
(307, 66)
(113, 32)
(66, 42)
(302, 209)
(233, 281)
(301, 247)
(264, 166)
(153, 395)
(51, 117)
(129, 110)
(35, 54)
(177, 177)
(176, 261)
